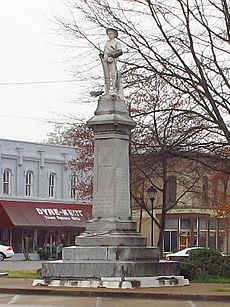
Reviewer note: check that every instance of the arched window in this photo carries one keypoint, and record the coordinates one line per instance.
(52, 185)
(6, 181)
(29, 184)
(73, 186)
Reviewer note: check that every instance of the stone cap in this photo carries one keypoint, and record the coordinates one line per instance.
(111, 110)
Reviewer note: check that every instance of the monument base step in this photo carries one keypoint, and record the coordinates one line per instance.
(118, 282)
(110, 253)
(83, 269)
(111, 238)
(100, 225)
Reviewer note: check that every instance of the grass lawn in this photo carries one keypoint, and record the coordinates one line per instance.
(215, 280)
(226, 290)
(33, 274)
(212, 280)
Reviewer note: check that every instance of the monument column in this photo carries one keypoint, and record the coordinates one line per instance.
(111, 213)
(111, 125)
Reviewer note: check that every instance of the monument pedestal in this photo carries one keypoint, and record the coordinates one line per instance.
(111, 253)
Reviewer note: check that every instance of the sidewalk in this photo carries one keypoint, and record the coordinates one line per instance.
(207, 292)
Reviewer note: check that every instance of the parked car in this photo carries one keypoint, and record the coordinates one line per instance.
(224, 254)
(182, 254)
(6, 251)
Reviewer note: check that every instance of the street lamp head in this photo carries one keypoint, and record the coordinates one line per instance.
(152, 193)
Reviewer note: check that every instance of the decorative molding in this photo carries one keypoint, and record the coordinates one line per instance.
(42, 161)
(66, 160)
(20, 151)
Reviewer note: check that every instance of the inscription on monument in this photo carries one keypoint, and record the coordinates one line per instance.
(103, 205)
(111, 199)
(122, 199)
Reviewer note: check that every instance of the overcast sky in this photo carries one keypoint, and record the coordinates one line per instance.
(30, 52)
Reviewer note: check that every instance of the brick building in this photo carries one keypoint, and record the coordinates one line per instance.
(195, 193)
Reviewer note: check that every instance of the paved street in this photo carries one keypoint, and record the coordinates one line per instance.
(20, 292)
(39, 301)
(20, 265)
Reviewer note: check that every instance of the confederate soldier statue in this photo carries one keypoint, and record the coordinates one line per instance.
(112, 51)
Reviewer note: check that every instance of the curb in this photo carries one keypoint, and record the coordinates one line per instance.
(89, 292)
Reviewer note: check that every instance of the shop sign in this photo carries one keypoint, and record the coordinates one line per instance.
(60, 214)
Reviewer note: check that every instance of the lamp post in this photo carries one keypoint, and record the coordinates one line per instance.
(152, 194)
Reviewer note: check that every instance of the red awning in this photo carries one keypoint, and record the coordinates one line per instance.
(43, 214)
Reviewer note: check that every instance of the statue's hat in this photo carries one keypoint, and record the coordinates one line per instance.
(112, 29)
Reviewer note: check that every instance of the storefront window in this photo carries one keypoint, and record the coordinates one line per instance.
(185, 239)
(170, 241)
(172, 223)
(213, 224)
(195, 223)
(185, 223)
(174, 240)
(167, 241)
(212, 239)
(203, 224)
(195, 239)
(22, 240)
(4, 236)
(50, 242)
(221, 236)
(203, 237)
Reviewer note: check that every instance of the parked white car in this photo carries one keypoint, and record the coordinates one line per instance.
(6, 251)
(182, 254)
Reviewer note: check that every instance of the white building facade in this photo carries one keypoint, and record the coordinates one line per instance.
(37, 200)
(35, 171)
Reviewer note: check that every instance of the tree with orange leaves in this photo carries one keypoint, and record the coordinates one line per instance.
(79, 136)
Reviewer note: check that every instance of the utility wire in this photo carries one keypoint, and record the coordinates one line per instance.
(25, 117)
(39, 82)
(41, 119)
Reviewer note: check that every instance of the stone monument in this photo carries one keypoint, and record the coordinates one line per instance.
(111, 253)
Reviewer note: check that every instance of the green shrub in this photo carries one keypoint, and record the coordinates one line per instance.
(188, 270)
(205, 254)
(205, 262)
(44, 254)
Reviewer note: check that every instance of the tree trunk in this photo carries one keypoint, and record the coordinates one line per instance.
(164, 206)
